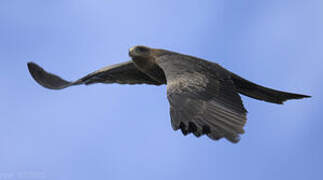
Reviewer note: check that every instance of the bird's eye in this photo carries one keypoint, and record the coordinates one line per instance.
(141, 49)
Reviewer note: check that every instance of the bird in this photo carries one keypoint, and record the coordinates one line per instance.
(204, 97)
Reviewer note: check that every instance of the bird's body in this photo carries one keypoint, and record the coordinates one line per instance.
(203, 96)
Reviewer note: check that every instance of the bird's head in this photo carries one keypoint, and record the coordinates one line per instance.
(139, 51)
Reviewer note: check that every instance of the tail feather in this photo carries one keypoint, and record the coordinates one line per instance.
(253, 90)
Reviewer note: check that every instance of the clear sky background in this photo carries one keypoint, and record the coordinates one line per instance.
(123, 131)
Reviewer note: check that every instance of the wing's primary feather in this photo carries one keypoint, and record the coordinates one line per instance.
(47, 80)
(202, 98)
(123, 73)
(259, 92)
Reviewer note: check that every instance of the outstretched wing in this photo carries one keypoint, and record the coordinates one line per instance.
(202, 98)
(123, 73)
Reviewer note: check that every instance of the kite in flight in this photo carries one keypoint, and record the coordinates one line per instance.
(203, 96)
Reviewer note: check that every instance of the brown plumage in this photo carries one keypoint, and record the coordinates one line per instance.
(203, 96)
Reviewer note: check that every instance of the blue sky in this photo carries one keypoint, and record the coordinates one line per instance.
(122, 131)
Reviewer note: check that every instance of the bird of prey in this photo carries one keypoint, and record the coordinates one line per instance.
(203, 96)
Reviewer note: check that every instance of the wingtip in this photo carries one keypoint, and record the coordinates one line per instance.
(32, 67)
(45, 79)
(30, 64)
(301, 96)
(295, 96)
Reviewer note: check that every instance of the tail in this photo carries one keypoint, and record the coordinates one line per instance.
(253, 90)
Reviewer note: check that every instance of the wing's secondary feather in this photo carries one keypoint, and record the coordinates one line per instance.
(202, 98)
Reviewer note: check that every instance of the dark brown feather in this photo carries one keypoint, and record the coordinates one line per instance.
(256, 91)
(202, 98)
(123, 73)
